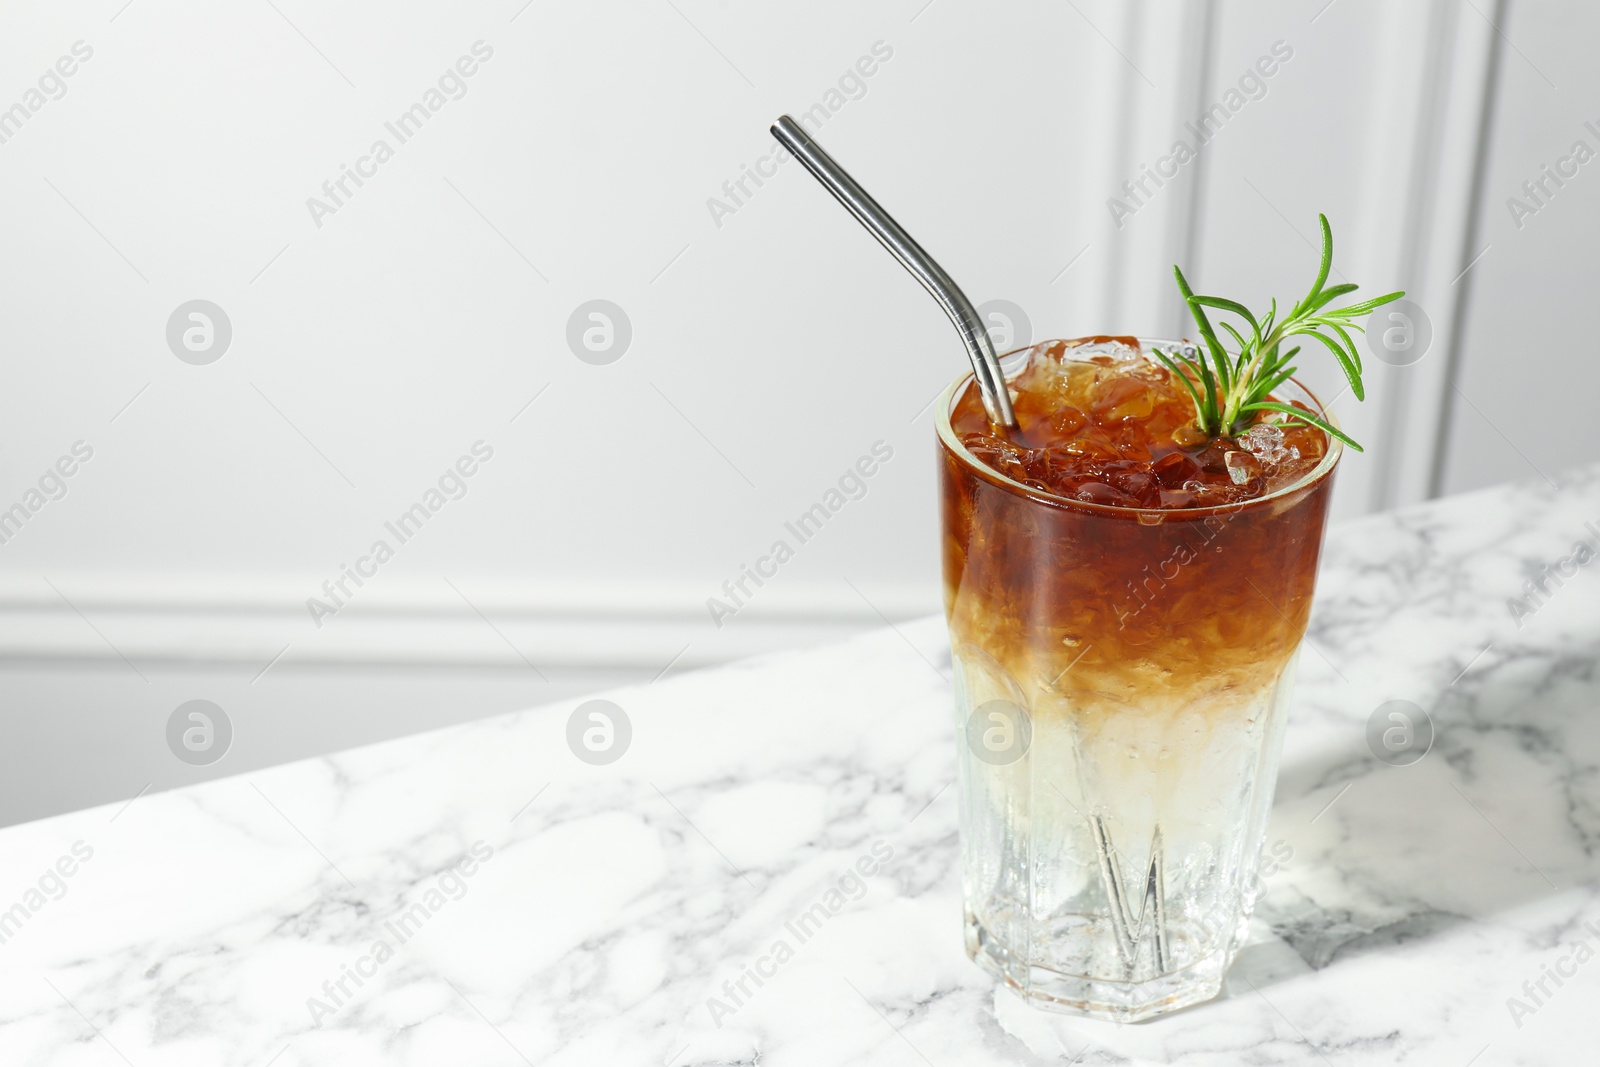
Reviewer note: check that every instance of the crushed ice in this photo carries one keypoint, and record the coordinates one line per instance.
(1116, 350)
(1265, 442)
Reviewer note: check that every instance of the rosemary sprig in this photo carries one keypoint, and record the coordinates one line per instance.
(1232, 389)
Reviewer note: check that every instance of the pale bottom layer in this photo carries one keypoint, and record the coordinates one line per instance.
(1110, 848)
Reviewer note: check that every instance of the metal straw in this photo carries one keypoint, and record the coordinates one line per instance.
(985, 364)
(1128, 928)
(1122, 920)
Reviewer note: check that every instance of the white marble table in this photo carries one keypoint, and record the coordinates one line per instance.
(604, 905)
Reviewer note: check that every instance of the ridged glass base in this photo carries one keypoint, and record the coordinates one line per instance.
(1097, 998)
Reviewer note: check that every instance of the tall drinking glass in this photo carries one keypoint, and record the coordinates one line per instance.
(1122, 678)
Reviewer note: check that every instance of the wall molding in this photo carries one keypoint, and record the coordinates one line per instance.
(115, 618)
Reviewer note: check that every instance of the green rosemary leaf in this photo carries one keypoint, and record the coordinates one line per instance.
(1368, 306)
(1266, 388)
(1327, 255)
(1243, 382)
(1351, 374)
(1273, 365)
(1218, 355)
(1210, 418)
(1330, 295)
(1272, 317)
(1180, 375)
(1232, 306)
(1243, 344)
(1349, 345)
(1306, 417)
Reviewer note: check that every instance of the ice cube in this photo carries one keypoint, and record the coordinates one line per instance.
(1209, 494)
(1068, 421)
(1121, 398)
(1117, 351)
(1265, 442)
(1243, 468)
(1173, 469)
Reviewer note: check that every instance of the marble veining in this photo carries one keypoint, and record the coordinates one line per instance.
(770, 873)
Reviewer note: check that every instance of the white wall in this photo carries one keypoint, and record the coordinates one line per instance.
(771, 348)
(768, 353)
(1526, 377)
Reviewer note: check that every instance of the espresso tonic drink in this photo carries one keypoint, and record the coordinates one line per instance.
(1126, 598)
